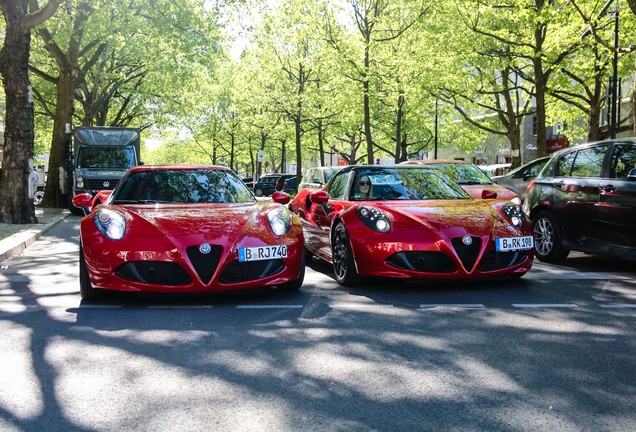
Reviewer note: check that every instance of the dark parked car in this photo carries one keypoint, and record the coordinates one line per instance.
(518, 179)
(266, 185)
(291, 185)
(280, 183)
(585, 200)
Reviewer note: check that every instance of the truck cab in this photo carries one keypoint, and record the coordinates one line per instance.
(101, 156)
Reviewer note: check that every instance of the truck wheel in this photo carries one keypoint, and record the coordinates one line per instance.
(258, 192)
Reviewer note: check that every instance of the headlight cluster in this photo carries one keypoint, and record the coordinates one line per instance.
(110, 223)
(514, 214)
(80, 182)
(280, 220)
(374, 219)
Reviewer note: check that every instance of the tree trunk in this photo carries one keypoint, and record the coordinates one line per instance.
(16, 206)
(55, 194)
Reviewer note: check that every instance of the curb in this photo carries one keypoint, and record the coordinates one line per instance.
(18, 242)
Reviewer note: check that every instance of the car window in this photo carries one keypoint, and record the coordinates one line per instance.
(589, 162)
(422, 183)
(623, 161)
(338, 186)
(181, 186)
(308, 176)
(564, 165)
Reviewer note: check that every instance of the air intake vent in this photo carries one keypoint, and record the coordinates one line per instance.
(467, 252)
(422, 261)
(251, 270)
(204, 264)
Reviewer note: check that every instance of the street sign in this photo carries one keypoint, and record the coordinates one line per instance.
(260, 156)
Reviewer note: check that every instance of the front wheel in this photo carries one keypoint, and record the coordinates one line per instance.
(87, 292)
(258, 192)
(344, 265)
(548, 239)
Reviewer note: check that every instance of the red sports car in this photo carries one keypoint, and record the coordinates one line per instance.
(187, 229)
(411, 221)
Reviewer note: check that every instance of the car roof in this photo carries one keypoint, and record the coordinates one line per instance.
(435, 161)
(179, 167)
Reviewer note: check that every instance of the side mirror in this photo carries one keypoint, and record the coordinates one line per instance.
(280, 197)
(83, 200)
(319, 197)
(488, 194)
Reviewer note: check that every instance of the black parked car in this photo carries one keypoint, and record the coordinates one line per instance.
(267, 184)
(584, 200)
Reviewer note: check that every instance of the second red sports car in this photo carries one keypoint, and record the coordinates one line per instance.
(410, 221)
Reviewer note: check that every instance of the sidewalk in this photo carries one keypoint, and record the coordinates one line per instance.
(15, 238)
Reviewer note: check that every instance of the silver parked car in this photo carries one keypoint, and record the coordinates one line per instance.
(518, 179)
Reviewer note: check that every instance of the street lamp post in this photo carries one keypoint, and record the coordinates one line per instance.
(614, 82)
(435, 148)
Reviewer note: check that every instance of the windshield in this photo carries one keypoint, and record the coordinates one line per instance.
(106, 157)
(463, 173)
(408, 183)
(181, 186)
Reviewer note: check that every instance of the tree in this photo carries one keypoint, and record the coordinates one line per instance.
(16, 206)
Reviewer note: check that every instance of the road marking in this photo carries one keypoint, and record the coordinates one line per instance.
(545, 305)
(453, 306)
(619, 306)
(269, 306)
(360, 306)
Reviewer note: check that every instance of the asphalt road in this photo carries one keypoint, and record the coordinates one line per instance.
(553, 351)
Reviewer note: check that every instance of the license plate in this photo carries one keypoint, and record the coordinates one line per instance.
(509, 244)
(260, 253)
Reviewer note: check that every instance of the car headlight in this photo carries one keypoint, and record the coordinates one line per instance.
(514, 214)
(110, 223)
(516, 201)
(374, 219)
(279, 220)
(80, 182)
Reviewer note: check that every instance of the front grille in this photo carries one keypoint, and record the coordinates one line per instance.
(99, 184)
(431, 262)
(204, 264)
(500, 260)
(467, 253)
(154, 272)
(251, 270)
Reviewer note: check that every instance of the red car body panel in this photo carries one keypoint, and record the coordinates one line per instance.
(424, 226)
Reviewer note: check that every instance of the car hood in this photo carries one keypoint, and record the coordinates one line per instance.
(503, 193)
(210, 220)
(456, 218)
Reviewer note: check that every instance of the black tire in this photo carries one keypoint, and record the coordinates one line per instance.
(344, 266)
(38, 197)
(87, 292)
(308, 255)
(296, 283)
(548, 239)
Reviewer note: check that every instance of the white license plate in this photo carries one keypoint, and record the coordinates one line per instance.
(260, 253)
(509, 244)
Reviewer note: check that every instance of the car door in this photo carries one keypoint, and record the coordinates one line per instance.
(323, 215)
(576, 192)
(617, 198)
